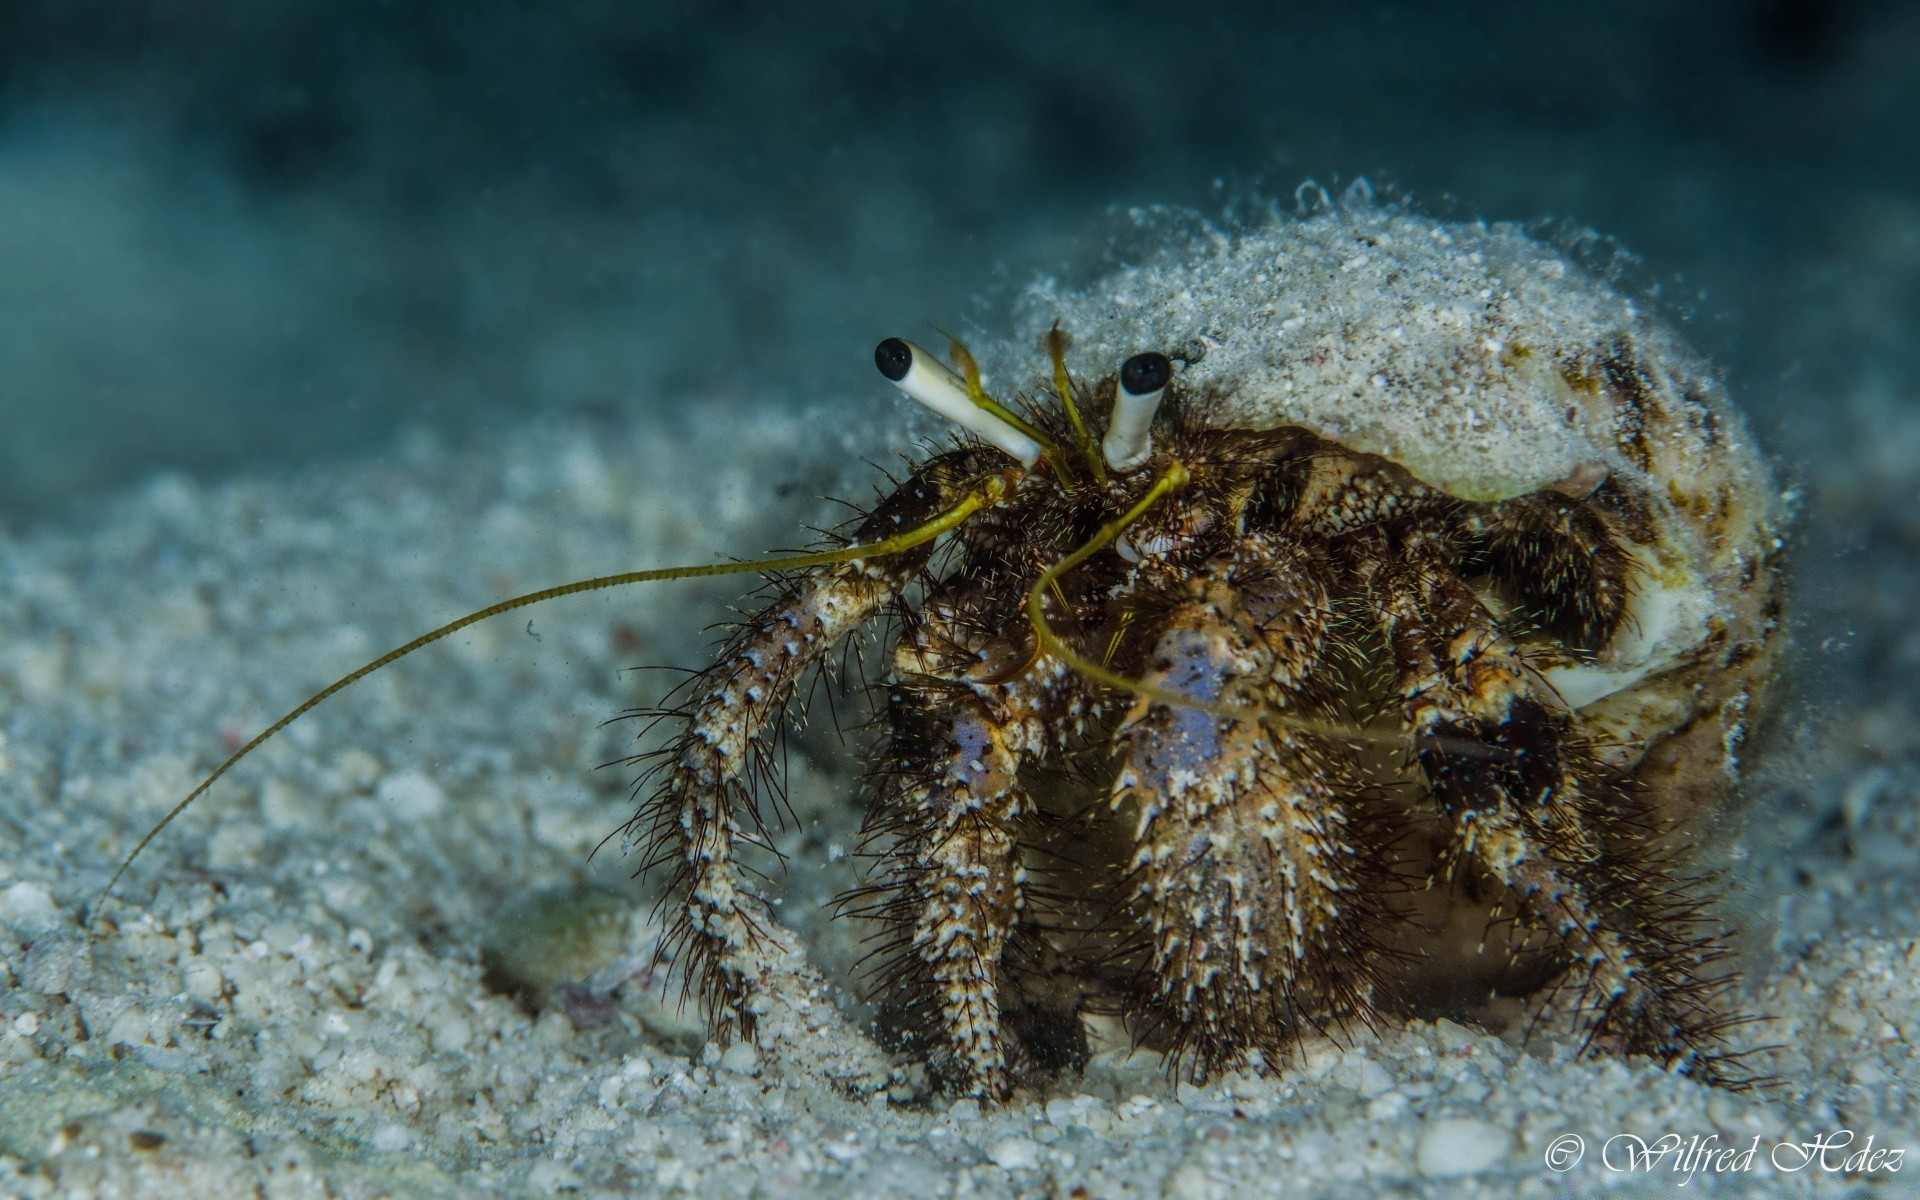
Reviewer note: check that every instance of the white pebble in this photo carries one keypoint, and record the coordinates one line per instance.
(391, 1137)
(1847, 1021)
(1371, 1079)
(964, 1110)
(1386, 1106)
(741, 1058)
(1460, 1146)
(1191, 1182)
(550, 1176)
(202, 981)
(235, 847)
(451, 1034)
(1015, 1154)
(636, 1068)
(843, 1148)
(411, 795)
(28, 908)
(283, 806)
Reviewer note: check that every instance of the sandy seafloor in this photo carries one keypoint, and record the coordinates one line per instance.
(288, 997)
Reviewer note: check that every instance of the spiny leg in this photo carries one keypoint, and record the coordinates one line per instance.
(694, 815)
(1564, 559)
(949, 813)
(1251, 870)
(954, 871)
(1530, 814)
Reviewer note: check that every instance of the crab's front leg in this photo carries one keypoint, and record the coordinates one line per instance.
(1253, 877)
(955, 870)
(695, 814)
(966, 711)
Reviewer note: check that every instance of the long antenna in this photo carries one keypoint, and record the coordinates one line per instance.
(985, 494)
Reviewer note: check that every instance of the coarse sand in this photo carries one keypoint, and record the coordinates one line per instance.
(384, 959)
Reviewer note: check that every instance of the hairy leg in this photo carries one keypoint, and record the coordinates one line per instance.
(1569, 566)
(1534, 816)
(1265, 939)
(953, 870)
(702, 796)
(966, 711)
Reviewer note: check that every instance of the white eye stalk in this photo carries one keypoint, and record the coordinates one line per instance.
(926, 379)
(1143, 381)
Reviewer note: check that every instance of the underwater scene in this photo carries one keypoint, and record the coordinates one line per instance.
(1084, 600)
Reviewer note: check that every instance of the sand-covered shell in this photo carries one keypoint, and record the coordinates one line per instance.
(1489, 365)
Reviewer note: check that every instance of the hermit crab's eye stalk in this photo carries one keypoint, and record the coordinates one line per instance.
(1143, 380)
(926, 379)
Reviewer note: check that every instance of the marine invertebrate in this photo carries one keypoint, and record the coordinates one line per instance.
(1428, 482)
(1370, 627)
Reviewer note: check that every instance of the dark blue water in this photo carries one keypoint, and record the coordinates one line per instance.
(236, 236)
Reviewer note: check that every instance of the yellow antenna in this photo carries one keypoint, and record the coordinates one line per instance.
(987, 493)
(1171, 480)
(1062, 383)
(970, 371)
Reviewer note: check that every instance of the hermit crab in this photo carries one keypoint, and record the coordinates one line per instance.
(1356, 616)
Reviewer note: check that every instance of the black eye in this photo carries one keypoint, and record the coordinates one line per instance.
(1143, 374)
(894, 358)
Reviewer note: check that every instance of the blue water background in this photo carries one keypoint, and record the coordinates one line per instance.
(234, 236)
